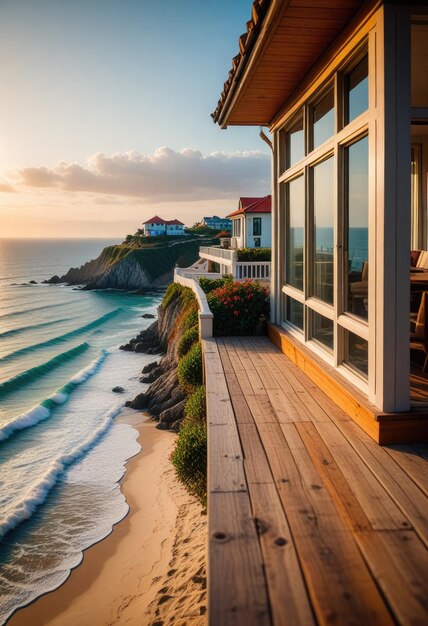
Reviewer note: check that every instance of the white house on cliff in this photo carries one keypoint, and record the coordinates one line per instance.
(157, 227)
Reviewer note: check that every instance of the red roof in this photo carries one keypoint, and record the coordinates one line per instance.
(253, 205)
(158, 220)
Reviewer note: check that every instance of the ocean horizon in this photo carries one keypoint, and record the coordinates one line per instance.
(63, 444)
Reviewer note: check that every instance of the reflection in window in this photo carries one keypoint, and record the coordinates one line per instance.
(295, 143)
(323, 119)
(295, 232)
(294, 312)
(257, 226)
(322, 330)
(419, 65)
(357, 353)
(237, 227)
(323, 203)
(356, 271)
(357, 91)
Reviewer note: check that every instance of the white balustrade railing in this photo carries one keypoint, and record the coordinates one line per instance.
(212, 252)
(259, 270)
(205, 315)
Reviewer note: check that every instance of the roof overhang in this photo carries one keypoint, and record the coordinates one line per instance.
(284, 40)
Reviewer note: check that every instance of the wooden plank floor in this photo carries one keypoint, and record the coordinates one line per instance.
(310, 521)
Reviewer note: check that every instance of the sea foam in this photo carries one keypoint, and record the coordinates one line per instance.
(42, 411)
(24, 508)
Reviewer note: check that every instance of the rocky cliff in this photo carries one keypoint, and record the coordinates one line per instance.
(164, 399)
(125, 267)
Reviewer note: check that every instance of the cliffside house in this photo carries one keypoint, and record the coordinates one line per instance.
(345, 97)
(156, 227)
(218, 223)
(252, 224)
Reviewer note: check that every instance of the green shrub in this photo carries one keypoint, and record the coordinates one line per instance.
(238, 308)
(190, 458)
(187, 340)
(254, 254)
(191, 319)
(190, 368)
(196, 405)
(209, 284)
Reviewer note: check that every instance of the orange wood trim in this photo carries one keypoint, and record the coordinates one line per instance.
(384, 428)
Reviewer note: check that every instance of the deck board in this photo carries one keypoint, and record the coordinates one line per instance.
(335, 525)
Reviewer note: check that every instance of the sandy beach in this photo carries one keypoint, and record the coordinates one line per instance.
(151, 569)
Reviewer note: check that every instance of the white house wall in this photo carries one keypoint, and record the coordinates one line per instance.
(266, 236)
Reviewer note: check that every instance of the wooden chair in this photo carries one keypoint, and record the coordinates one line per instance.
(419, 329)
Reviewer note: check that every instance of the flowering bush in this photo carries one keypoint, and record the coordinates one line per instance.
(238, 307)
(209, 284)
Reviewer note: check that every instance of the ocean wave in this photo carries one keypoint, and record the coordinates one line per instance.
(61, 338)
(42, 411)
(38, 492)
(26, 311)
(36, 372)
(16, 331)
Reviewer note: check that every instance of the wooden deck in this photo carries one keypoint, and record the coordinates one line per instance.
(310, 520)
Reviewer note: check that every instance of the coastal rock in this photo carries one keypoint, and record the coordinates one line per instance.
(151, 376)
(139, 402)
(154, 350)
(118, 389)
(150, 367)
(54, 280)
(148, 316)
(33, 282)
(174, 413)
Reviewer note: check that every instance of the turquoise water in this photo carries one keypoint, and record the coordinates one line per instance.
(62, 446)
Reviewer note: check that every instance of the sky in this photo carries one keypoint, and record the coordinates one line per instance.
(105, 115)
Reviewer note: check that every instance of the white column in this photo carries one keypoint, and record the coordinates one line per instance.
(389, 294)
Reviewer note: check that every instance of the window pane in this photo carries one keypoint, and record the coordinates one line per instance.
(294, 312)
(322, 330)
(357, 90)
(295, 143)
(295, 232)
(257, 226)
(357, 232)
(323, 205)
(323, 119)
(419, 65)
(357, 353)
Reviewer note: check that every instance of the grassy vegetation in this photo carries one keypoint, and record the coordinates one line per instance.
(189, 458)
(189, 337)
(190, 369)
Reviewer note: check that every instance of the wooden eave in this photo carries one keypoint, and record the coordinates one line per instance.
(291, 39)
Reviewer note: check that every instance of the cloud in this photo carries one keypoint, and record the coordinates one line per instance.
(6, 188)
(166, 175)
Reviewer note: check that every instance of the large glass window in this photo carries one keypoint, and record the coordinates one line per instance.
(323, 119)
(323, 237)
(325, 219)
(295, 234)
(356, 91)
(295, 143)
(356, 269)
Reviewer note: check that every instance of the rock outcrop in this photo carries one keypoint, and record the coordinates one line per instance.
(130, 268)
(164, 399)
